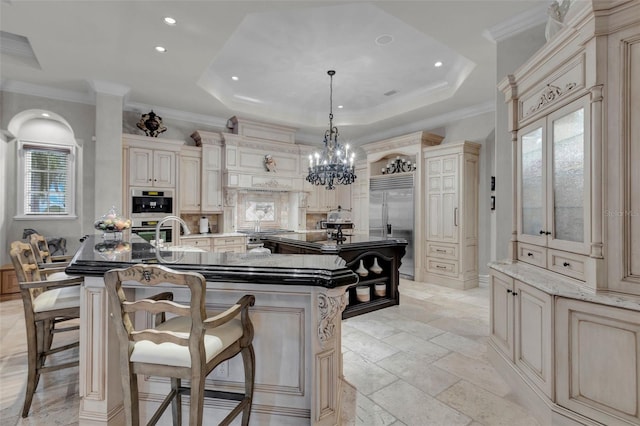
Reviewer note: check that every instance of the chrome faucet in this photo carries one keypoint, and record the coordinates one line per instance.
(185, 228)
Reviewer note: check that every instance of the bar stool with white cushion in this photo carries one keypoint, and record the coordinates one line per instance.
(48, 304)
(188, 345)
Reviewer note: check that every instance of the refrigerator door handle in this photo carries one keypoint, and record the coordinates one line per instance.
(455, 216)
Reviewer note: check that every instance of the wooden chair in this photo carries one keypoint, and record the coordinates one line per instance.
(53, 264)
(46, 304)
(193, 344)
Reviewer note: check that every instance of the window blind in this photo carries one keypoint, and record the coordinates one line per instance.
(46, 186)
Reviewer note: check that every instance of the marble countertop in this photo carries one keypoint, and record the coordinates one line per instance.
(96, 256)
(557, 285)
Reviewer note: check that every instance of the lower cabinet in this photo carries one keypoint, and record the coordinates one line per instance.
(203, 243)
(598, 361)
(572, 362)
(521, 328)
(229, 244)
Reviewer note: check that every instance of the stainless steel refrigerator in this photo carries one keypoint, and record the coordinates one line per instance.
(391, 207)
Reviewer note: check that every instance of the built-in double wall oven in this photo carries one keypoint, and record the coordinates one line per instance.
(146, 228)
(148, 207)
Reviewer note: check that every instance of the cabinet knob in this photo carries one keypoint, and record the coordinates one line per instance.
(547, 233)
(542, 232)
(565, 264)
(530, 254)
(509, 290)
(515, 293)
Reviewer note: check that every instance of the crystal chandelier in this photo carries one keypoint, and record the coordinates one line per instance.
(335, 164)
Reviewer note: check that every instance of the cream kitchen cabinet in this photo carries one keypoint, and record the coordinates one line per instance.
(233, 244)
(202, 243)
(209, 171)
(190, 183)
(149, 167)
(451, 211)
(553, 190)
(211, 201)
(576, 233)
(521, 328)
(320, 199)
(597, 361)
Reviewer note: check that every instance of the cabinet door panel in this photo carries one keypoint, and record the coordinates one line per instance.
(501, 288)
(164, 169)
(211, 191)
(598, 361)
(568, 176)
(532, 196)
(189, 184)
(450, 217)
(140, 167)
(534, 345)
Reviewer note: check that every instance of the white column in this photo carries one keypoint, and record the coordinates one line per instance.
(108, 164)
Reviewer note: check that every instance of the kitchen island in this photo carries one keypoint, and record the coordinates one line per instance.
(376, 260)
(296, 319)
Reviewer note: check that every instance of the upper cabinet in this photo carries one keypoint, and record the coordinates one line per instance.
(151, 161)
(189, 194)
(571, 116)
(554, 180)
(149, 167)
(204, 182)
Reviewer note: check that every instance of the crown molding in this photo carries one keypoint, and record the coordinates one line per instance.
(177, 114)
(22, 88)
(519, 23)
(426, 124)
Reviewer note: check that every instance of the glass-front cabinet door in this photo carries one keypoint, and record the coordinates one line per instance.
(553, 187)
(568, 156)
(532, 199)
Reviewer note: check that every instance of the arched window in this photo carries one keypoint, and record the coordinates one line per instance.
(46, 165)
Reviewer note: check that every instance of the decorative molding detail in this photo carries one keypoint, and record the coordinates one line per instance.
(329, 307)
(517, 24)
(230, 197)
(551, 94)
(271, 184)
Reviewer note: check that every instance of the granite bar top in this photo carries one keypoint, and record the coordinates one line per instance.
(96, 256)
(557, 285)
(319, 241)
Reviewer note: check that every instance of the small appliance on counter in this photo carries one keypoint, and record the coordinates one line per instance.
(337, 220)
(204, 225)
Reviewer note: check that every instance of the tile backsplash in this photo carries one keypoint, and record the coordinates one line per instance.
(193, 221)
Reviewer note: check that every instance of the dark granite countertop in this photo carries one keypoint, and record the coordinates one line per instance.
(96, 256)
(319, 241)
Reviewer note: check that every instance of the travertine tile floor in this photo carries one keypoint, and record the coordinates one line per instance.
(418, 364)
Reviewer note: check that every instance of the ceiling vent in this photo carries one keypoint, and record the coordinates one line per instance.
(391, 93)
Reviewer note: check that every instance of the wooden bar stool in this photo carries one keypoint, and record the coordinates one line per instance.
(48, 304)
(188, 345)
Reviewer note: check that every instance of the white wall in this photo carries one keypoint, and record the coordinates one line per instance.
(511, 53)
(81, 118)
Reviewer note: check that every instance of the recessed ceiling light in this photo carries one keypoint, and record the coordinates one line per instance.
(160, 49)
(170, 21)
(438, 64)
(384, 39)
(234, 78)
(340, 106)
(44, 114)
